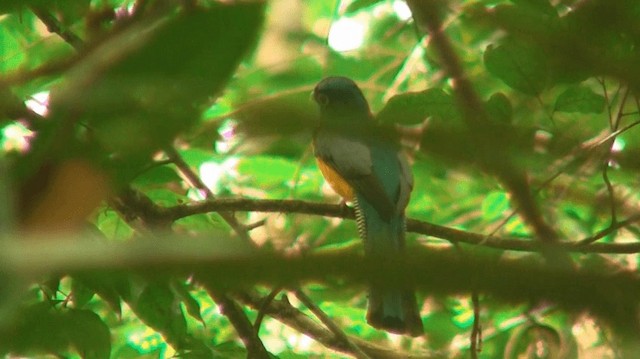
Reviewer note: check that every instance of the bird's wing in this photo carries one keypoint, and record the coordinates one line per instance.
(406, 181)
(352, 159)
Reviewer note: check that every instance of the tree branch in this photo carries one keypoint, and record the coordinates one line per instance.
(54, 26)
(413, 225)
(612, 296)
(230, 309)
(493, 152)
(284, 312)
(337, 332)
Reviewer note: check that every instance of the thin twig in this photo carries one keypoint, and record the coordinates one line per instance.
(614, 226)
(476, 330)
(197, 182)
(607, 159)
(284, 312)
(239, 320)
(54, 26)
(262, 309)
(333, 327)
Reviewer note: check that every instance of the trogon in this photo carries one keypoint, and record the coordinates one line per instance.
(365, 165)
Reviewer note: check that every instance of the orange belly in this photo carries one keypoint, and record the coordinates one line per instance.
(336, 181)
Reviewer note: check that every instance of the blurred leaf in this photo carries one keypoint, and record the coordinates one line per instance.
(157, 175)
(534, 341)
(195, 157)
(520, 66)
(192, 305)
(358, 5)
(89, 335)
(37, 329)
(167, 79)
(82, 294)
(414, 107)
(267, 171)
(113, 226)
(45, 329)
(499, 108)
(439, 328)
(10, 53)
(112, 287)
(541, 6)
(71, 11)
(158, 307)
(579, 99)
(283, 115)
(527, 18)
(494, 205)
(229, 350)
(165, 197)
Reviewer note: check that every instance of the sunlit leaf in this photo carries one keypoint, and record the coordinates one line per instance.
(494, 205)
(190, 303)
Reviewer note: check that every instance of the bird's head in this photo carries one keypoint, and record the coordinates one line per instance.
(340, 97)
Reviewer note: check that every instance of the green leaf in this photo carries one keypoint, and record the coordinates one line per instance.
(358, 5)
(192, 305)
(268, 171)
(156, 306)
(149, 81)
(580, 99)
(499, 108)
(229, 350)
(88, 334)
(81, 293)
(11, 54)
(37, 329)
(540, 6)
(157, 175)
(165, 197)
(112, 287)
(440, 328)
(494, 205)
(520, 66)
(414, 107)
(195, 157)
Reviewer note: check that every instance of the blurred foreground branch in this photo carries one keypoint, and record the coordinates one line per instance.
(613, 296)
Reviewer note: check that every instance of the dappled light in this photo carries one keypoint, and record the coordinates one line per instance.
(294, 179)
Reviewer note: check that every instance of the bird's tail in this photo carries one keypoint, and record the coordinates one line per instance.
(390, 308)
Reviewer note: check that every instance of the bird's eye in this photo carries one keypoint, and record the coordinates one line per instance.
(322, 99)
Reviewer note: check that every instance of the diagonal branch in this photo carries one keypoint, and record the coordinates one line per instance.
(490, 148)
(337, 332)
(284, 312)
(54, 26)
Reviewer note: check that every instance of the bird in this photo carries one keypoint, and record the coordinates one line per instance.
(364, 163)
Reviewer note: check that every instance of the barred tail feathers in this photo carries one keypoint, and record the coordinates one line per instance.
(391, 309)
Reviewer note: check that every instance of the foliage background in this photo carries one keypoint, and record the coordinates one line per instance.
(181, 131)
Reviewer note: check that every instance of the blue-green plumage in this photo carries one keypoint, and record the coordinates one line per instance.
(369, 160)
